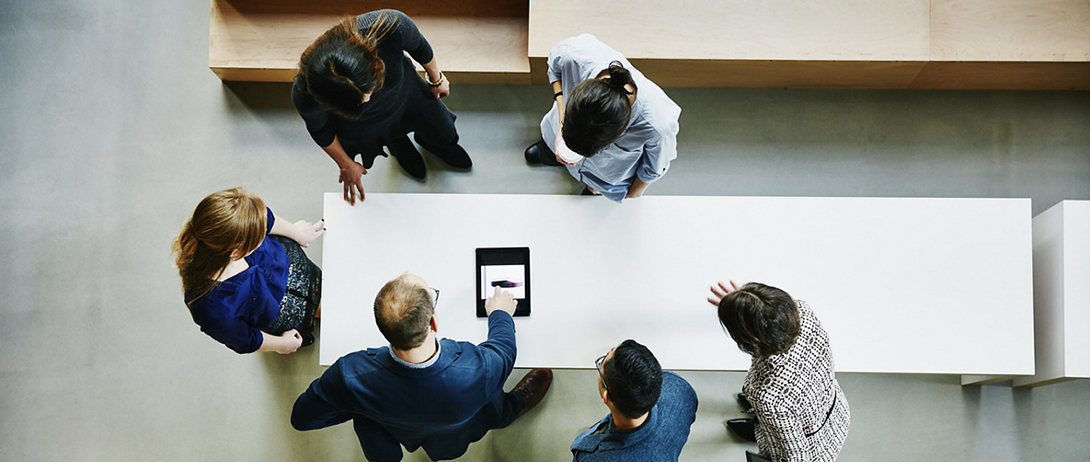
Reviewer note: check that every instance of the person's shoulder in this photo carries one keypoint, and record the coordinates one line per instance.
(585, 444)
(389, 13)
(673, 380)
(385, 17)
(677, 393)
(584, 39)
(301, 98)
(804, 308)
(657, 110)
(585, 45)
(460, 351)
(358, 363)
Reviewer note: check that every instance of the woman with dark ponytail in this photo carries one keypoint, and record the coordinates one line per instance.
(357, 92)
(615, 130)
(247, 282)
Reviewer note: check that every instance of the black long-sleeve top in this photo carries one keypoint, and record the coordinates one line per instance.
(404, 36)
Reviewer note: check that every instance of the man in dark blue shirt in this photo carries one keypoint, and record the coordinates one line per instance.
(421, 391)
(650, 411)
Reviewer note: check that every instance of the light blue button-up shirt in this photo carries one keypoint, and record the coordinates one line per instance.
(647, 145)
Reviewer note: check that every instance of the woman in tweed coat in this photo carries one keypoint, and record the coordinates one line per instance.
(801, 412)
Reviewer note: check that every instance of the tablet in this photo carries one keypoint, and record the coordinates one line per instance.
(507, 268)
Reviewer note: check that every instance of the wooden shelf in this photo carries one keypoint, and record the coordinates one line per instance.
(938, 44)
(909, 44)
(1008, 45)
(475, 41)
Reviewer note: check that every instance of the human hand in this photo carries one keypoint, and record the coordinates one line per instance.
(500, 300)
(291, 342)
(351, 179)
(721, 291)
(307, 232)
(443, 89)
(561, 146)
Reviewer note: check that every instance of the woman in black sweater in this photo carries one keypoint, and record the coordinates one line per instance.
(358, 92)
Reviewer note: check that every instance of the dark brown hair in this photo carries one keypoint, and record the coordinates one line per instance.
(223, 222)
(598, 111)
(343, 64)
(403, 313)
(762, 319)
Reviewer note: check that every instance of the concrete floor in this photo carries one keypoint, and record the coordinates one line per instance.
(113, 128)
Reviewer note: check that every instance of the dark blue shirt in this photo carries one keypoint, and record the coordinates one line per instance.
(392, 403)
(660, 438)
(234, 312)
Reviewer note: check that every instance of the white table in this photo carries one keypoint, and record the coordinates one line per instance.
(901, 285)
(1061, 293)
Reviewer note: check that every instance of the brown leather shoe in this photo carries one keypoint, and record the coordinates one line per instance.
(533, 387)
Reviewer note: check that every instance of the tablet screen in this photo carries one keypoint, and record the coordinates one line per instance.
(511, 278)
(507, 268)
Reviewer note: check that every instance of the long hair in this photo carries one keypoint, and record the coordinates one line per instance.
(343, 64)
(223, 222)
(598, 111)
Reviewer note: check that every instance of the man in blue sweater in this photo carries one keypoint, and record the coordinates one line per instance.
(650, 411)
(421, 391)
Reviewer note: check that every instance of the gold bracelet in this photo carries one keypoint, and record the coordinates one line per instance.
(437, 83)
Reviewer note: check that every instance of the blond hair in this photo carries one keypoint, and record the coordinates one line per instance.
(223, 222)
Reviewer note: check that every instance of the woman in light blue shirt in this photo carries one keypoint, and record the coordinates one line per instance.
(617, 131)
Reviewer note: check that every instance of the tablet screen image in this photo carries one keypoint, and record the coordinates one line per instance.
(511, 278)
(507, 268)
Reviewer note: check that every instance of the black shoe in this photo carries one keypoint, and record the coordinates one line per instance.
(408, 157)
(453, 155)
(744, 428)
(539, 153)
(587, 192)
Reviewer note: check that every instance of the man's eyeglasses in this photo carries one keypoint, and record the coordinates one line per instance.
(436, 297)
(598, 364)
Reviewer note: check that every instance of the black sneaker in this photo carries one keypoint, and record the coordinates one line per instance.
(453, 155)
(408, 157)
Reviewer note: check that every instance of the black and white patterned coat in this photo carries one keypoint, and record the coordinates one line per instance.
(793, 392)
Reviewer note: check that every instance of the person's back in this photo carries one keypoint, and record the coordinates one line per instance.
(421, 391)
(799, 404)
(646, 422)
(414, 403)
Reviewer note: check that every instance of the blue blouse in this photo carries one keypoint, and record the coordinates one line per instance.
(234, 311)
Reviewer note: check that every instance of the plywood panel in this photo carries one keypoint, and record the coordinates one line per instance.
(264, 38)
(1011, 30)
(1004, 76)
(829, 30)
(766, 74)
(779, 74)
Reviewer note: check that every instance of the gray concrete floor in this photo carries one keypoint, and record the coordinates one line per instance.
(112, 128)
